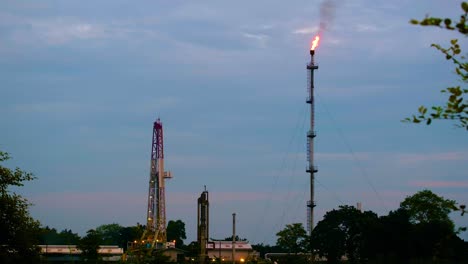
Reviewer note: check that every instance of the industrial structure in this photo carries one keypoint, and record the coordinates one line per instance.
(154, 236)
(311, 168)
(203, 220)
(227, 252)
(71, 253)
(220, 250)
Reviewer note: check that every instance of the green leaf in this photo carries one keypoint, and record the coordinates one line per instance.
(422, 109)
(436, 21)
(447, 22)
(414, 22)
(464, 6)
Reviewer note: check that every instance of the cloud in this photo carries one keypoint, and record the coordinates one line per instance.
(401, 158)
(69, 107)
(366, 28)
(430, 157)
(439, 184)
(260, 39)
(92, 201)
(342, 156)
(61, 30)
(198, 161)
(49, 107)
(155, 105)
(95, 201)
(306, 30)
(386, 199)
(223, 197)
(64, 30)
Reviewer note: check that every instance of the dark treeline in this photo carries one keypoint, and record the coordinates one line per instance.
(394, 238)
(112, 234)
(419, 231)
(108, 234)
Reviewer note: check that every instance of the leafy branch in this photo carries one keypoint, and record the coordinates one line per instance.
(456, 107)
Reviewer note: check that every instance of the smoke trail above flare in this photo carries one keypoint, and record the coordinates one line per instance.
(327, 14)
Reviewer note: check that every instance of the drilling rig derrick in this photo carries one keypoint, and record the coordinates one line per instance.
(154, 236)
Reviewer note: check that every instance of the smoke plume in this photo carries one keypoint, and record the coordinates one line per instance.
(327, 13)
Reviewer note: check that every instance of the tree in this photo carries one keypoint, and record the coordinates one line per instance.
(89, 246)
(67, 237)
(18, 230)
(111, 234)
(456, 107)
(237, 238)
(130, 233)
(426, 207)
(293, 238)
(193, 249)
(343, 232)
(176, 231)
(396, 239)
(397, 231)
(158, 257)
(263, 249)
(50, 236)
(433, 234)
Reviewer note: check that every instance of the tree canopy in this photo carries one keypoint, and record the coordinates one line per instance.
(237, 238)
(18, 230)
(425, 207)
(341, 233)
(420, 230)
(50, 236)
(176, 231)
(89, 246)
(110, 234)
(293, 238)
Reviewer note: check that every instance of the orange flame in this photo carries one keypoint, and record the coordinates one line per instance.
(315, 42)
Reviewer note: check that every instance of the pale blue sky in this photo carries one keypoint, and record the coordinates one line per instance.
(82, 82)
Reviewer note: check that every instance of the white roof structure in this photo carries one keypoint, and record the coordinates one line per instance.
(72, 249)
(239, 245)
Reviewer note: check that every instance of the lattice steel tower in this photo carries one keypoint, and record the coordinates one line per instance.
(311, 168)
(155, 233)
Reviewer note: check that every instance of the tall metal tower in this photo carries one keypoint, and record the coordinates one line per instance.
(155, 233)
(311, 168)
